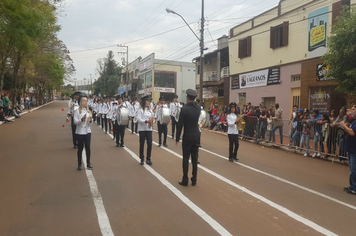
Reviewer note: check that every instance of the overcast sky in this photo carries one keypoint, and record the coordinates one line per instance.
(93, 24)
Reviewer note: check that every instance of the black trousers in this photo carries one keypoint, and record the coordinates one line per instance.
(73, 126)
(83, 140)
(133, 125)
(145, 135)
(98, 119)
(104, 121)
(162, 129)
(120, 134)
(109, 127)
(114, 131)
(233, 140)
(190, 149)
(174, 124)
(94, 116)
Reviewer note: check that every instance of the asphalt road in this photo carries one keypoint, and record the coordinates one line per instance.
(268, 192)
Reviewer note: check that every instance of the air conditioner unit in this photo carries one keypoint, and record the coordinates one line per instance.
(207, 62)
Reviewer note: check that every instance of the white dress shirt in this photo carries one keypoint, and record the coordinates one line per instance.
(83, 127)
(142, 117)
(232, 127)
(174, 107)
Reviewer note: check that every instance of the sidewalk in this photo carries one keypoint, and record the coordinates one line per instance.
(284, 147)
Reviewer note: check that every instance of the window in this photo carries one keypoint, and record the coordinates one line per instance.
(337, 7)
(296, 100)
(279, 35)
(295, 78)
(245, 47)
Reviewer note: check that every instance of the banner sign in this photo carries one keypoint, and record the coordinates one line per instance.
(164, 90)
(320, 99)
(260, 78)
(235, 83)
(317, 32)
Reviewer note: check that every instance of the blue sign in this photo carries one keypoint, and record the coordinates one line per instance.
(121, 90)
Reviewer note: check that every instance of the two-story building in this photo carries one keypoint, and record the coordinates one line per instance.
(165, 78)
(275, 57)
(129, 79)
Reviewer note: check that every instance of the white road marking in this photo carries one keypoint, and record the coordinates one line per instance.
(283, 180)
(278, 207)
(103, 218)
(213, 223)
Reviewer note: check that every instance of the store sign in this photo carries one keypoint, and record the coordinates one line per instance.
(235, 83)
(317, 32)
(164, 90)
(211, 92)
(321, 72)
(145, 65)
(260, 78)
(148, 90)
(320, 99)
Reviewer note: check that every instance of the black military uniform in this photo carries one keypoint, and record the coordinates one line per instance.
(188, 118)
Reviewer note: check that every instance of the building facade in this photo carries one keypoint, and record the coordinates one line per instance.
(276, 56)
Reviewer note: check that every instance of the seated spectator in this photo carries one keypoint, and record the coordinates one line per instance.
(2, 116)
(222, 121)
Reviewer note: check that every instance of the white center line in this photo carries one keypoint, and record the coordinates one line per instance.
(103, 218)
(213, 223)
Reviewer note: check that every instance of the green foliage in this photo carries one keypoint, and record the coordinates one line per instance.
(66, 93)
(342, 52)
(109, 79)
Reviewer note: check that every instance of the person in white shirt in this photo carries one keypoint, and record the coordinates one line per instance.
(232, 132)
(70, 115)
(105, 110)
(100, 110)
(133, 113)
(162, 128)
(83, 120)
(174, 107)
(145, 120)
(120, 129)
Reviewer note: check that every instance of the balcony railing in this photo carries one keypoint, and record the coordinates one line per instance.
(225, 72)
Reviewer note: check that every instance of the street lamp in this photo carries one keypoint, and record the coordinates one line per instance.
(201, 44)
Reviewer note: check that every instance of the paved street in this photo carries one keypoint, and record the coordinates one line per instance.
(268, 192)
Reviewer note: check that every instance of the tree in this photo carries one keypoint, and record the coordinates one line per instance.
(341, 53)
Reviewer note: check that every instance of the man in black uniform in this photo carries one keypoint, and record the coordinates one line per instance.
(188, 118)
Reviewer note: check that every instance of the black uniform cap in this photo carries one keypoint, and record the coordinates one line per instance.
(192, 94)
(233, 104)
(147, 97)
(175, 96)
(76, 93)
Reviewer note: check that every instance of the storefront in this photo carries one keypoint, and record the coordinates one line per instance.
(318, 92)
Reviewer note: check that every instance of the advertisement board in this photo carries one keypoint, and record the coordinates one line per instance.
(317, 32)
(259, 78)
(320, 99)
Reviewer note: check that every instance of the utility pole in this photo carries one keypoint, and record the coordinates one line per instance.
(127, 64)
(201, 53)
(91, 85)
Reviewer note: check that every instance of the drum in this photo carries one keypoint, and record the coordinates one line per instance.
(123, 116)
(165, 116)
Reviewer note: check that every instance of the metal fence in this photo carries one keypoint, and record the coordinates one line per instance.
(311, 137)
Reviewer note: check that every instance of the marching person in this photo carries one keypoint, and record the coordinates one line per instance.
(174, 107)
(351, 150)
(162, 128)
(145, 120)
(120, 129)
(127, 104)
(99, 109)
(188, 119)
(71, 104)
(233, 132)
(105, 111)
(133, 113)
(83, 120)
(113, 119)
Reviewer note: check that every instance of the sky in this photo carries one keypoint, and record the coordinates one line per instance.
(90, 28)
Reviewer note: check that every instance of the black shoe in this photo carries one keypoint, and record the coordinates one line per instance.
(231, 160)
(346, 189)
(117, 145)
(159, 145)
(194, 183)
(79, 167)
(142, 162)
(75, 146)
(235, 159)
(350, 191)
(89, 166)
(183, 183)
(122, 145)
(149, 162)
(198, 162)
(165, 145)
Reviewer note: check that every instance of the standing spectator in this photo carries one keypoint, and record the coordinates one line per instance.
(351, 150)
(225, 110)
(305, 132)
(292, 117)
(263, 123)
(256, 124)
(297, 128)
(215, 110)
(278, 123)
(324, 121)
(316, 117)
(248, 117)
(1, 101)
(339, 136)
(332, 116)
(6, 104)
